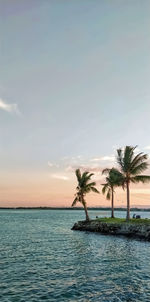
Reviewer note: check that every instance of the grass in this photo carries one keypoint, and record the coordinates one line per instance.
(121, 220)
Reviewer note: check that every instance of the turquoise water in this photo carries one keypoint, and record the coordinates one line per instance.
(41, 259)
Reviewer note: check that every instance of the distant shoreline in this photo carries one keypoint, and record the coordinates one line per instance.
(73, 209)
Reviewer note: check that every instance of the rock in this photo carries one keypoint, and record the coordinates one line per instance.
(128, 229)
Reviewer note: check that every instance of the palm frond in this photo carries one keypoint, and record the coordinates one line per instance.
(87, 179)
(106, 171)
(116, 178)
(75, 201)
(138, 159)
(93, 189)
(140, 168)
(131, 165)
(108, 195)
(78, 175)
(84, 186)
(85, 174)
(106, 190)
(120, 158)
(84, 179)
(128, 157)
(140, 178)
(89, 175)
(91, 184)
(105, 187)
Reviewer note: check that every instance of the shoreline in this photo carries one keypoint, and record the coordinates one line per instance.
(135, 230)
(75, 208)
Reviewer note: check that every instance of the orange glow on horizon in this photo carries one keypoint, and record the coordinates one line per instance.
(35, 190)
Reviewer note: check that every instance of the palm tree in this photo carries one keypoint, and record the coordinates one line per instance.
(113, 180)
(84, 187)
(131, 167)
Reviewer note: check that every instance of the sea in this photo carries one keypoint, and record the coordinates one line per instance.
(42, 259)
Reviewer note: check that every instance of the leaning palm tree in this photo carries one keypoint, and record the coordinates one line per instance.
(84, 187)
(131, 167)
(113, 179)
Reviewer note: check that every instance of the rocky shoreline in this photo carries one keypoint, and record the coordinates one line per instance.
(128, 229)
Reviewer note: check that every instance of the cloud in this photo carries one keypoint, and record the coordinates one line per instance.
(137, 150)
(70, 169)
(103, 158)
(108, 158)
(11, 108)
(51, 165)
(95, 169)
(72, 159)
(60, 176)
(83, 167)
(147, 148)
(95, 159)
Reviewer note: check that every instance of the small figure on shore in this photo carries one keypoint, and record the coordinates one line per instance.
(136, 216)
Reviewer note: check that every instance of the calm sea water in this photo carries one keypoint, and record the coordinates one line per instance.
(41, 259)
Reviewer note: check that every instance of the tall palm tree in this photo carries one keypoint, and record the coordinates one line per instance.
(131, 167)
(113, 179)
(84, 187)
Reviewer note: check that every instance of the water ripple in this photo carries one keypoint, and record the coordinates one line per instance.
(41, 259)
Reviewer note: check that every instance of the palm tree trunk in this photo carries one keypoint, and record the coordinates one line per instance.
(112, 204)
(128, 202)
(86, 212)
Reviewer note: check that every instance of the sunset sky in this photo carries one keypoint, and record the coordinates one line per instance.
(74, 86)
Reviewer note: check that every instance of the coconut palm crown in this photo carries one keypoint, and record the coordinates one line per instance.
(131, 167)
(113, 179)
(84, 186)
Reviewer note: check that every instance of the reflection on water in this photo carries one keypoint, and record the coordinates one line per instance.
(43, 260)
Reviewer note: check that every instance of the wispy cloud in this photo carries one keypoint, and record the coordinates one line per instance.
(66, 169)
(69, 169)
(103, 158)
(11, 108)
(108, 158)
(95, 159)
(85, 167)
(147, 148)
(59, 176)
(52, 165)
(137, 150)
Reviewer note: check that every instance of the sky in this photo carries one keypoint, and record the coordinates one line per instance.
(74, 86)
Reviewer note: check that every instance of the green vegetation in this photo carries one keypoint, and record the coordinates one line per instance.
(122, 221)
(113, 180)
(131, 167)
(84, 187)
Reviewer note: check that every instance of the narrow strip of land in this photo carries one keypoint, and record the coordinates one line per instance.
(135, 228)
